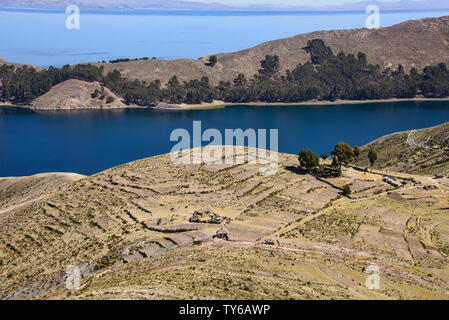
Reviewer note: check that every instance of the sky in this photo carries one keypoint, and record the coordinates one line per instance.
(291, 2)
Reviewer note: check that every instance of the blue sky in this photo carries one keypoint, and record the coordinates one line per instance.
(292, 2)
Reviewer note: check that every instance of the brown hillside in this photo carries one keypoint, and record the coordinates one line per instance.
(15, 191)
(412, 43)
(424, 151)
(130, 230)
(76, 94)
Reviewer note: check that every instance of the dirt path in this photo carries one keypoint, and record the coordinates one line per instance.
(22, 204)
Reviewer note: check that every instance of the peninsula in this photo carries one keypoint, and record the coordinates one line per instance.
(319, 67)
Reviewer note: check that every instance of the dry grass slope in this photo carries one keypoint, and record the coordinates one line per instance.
(14, 191)
(129, 231)
(424, 151)
(413, 44)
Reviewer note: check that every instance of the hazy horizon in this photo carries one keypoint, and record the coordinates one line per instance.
(251, 5)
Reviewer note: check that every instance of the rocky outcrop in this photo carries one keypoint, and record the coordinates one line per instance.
(77, 94)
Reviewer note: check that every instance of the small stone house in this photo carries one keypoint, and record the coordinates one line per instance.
(222, 234)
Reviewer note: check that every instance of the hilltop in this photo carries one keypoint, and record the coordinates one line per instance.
(17, 191)
(130, 230)
(77, 94)
(415, 43)
(17, 65)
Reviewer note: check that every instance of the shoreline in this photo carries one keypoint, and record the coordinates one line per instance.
(212, 106)
(206, 106)
(11, 105)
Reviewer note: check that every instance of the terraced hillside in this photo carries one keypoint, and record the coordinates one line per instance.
(416, 43)
(130, 230)
(424, 151)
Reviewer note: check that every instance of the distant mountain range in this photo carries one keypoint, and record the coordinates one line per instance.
(185, 5)
(399, 5)
(115, 4)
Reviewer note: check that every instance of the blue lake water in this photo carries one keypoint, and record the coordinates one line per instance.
(40, 37)
(91, 141)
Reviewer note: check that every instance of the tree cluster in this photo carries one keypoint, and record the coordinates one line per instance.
(23, 84)
(327, 76)
(342, 154)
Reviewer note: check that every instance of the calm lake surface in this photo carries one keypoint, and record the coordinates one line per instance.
(40, 37)
(91, 141)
